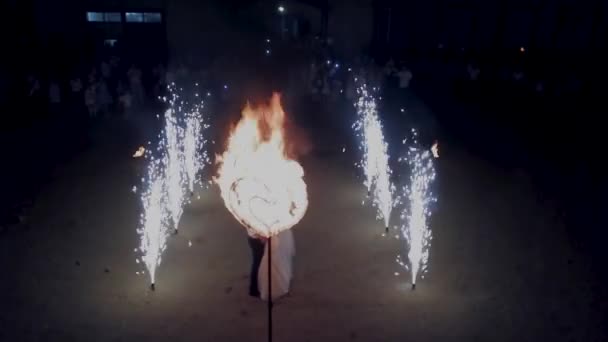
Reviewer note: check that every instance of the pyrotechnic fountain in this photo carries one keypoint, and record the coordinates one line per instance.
(417, 211)
(195, 157)
(175, 162)
(184, 142)
(375, 161)
(161, 197)
(153, 226)
(179, 158)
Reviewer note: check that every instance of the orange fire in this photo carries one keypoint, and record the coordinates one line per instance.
(435, 149)
(260, 184)
(140, 152)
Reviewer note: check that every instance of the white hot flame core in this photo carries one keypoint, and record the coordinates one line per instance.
(417, 211)
(375, 162)
(262, 188)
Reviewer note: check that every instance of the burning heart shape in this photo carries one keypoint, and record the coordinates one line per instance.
(264, 209)
(262, 186)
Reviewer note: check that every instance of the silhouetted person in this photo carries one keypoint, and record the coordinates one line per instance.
(257, 252)
(54, 98)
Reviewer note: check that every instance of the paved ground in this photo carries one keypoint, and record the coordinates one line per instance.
(501, 267)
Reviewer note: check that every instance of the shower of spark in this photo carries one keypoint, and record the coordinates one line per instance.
(184, 143)
(172, 169)
(176, 177)
(153, 227)
(195, 157)
(366, 109)
(417, 210)
(375, 162)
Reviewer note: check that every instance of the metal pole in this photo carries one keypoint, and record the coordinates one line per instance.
(269, 291)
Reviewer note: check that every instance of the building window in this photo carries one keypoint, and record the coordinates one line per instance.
(95, 17)
(134, 17)
(100, 17)
(141, 17)
(152, 17)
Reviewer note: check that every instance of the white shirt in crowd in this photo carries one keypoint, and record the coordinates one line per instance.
(89, 96)
(76, 85)
(35, 86)
(405, 77)
(105, 70)
(125, 100)
(54, 93)
(473, 72)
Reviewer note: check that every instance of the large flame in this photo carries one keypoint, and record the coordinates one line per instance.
(261, 186)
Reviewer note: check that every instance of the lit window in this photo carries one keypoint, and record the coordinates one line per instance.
(152, 17)
(134, 17)
(100, 17)
(112, 17)
(95, 17)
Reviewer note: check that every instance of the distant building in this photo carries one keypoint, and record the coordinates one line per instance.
(168, 29)
(81, 29)
(515, 26)
(347, 24)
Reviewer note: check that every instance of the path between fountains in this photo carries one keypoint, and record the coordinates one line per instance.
(500, 266)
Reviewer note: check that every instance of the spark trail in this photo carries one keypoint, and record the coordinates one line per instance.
(375, 161)
(417, 210)
(173, 169)
(176, 177)
(153, 227)
(184, 143)
(195, 157)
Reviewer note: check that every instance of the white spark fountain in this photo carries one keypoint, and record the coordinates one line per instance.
(195, 157)
(180, 157)
(173, 142)
(153, 227)
(417, 211)
(184, 142)
(375, 161)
